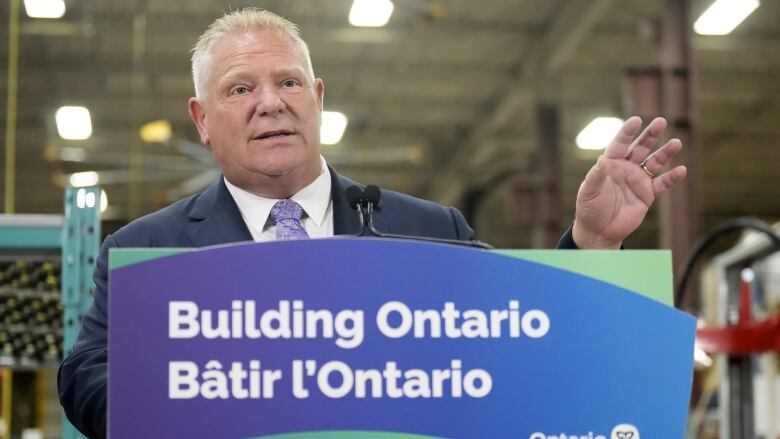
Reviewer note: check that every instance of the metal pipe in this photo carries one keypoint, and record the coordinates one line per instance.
(7, 378)
(679, 209)
(10, 112)
(139, 107)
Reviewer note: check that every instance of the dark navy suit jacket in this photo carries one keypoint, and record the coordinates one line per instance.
(211, 218)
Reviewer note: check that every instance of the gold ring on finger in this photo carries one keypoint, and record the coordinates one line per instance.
(647, 171)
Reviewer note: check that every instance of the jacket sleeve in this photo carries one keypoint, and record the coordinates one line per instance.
(462, 230)
(567, 241)
(82, 376)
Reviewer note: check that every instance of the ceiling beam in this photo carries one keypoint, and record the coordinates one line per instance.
(571, 26)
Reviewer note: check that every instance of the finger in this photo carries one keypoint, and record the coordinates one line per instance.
(656, 161)
(619, 146)
(668, 179)
(594, 179)
(645, 142)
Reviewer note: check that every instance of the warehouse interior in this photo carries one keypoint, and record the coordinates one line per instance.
(476, 105)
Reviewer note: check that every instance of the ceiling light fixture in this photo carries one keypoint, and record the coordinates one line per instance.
(44, 8)
(370, 13)
(333, 126)
(156, 131)
(73, 123)
(83, 179)
(598, 133)
(72, 154)
(723, 16)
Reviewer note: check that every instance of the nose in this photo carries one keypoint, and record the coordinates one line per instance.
(269, 102)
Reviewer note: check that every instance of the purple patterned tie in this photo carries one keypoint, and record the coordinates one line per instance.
(287, 214)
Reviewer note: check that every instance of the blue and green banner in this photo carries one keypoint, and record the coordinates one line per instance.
(385, 339)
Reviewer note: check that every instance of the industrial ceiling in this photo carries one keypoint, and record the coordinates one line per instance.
(446, 102)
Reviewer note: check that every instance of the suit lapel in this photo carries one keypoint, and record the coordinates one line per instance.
(215, 218)
(345, 219)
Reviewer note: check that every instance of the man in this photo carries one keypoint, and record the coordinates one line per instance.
(258, 106)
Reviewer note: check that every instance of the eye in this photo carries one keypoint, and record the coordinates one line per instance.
(289, 83)
(240, 90)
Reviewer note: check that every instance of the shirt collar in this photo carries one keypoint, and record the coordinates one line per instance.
(314, 199)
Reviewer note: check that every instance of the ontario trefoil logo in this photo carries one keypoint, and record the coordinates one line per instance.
(624, 431)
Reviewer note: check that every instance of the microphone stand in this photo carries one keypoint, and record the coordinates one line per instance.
(367, 225)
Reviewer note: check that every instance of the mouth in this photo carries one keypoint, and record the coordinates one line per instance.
(276, 134)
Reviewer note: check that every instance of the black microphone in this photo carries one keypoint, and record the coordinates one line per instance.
(371, 201)
(371, 197)
(354, 196)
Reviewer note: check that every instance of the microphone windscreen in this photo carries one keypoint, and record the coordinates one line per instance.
(354, 194)
(372, 195)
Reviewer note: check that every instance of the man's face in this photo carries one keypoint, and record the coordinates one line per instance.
(261, 112)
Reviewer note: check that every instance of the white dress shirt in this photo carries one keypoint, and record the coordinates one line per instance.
(314, 199)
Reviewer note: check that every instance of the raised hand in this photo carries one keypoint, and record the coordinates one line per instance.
(620, 188)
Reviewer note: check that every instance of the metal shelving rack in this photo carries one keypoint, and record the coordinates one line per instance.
(73, 239)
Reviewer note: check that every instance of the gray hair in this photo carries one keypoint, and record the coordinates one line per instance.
(243, 20)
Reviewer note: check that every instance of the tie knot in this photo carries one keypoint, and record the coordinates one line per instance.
(286, 210)
(287, 214)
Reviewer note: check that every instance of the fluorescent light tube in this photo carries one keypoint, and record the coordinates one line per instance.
(370, 13)
(598, 133)
(83, 179)
(333, 126)
(724, 16)
(73, 123)
(44, 8)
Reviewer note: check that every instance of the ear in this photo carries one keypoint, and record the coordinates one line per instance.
(198, 116)
(319, 89)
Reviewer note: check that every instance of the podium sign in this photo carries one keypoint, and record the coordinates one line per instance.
(377, 338)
